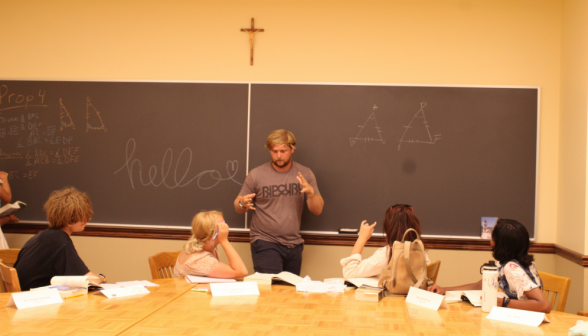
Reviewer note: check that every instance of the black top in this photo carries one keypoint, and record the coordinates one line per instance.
(49, 253)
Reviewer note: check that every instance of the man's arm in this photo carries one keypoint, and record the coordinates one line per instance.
(246, 203)
(5, 192)
(314, 201)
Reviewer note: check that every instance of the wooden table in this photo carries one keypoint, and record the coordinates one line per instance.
(281, 311)
(172, 309)
(91, 314)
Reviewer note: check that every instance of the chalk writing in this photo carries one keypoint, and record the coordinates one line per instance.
(65, 118)
(178, 178)
(412, 135)
(90, 112)
(64, 155)
(362, 135)
(20, 100)
(28, 174)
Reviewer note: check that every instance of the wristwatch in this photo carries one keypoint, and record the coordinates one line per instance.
(241, 205)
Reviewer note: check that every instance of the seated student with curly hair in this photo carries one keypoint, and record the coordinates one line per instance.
(51, 252)
(199, 256)
(517, 274)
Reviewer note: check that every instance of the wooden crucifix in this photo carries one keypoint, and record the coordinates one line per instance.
(251, 32)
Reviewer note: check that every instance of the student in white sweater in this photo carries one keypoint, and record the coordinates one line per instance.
(398, 219)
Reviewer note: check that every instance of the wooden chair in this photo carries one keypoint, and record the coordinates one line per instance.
(583, 313)
(433, 270)
(8, 257)
(555, 284)
(9, 278)
(162, 264)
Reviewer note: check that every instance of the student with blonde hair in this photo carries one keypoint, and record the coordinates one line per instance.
(51, 252)
(199, 255)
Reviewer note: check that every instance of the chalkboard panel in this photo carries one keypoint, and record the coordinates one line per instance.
(157, 153)
(455, 153)
(146, 153)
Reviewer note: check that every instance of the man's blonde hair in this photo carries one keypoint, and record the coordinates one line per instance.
(280, 137)
(67, 206)
(203, 228)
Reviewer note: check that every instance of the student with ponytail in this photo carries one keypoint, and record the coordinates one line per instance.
(517, 274)
(199, 255)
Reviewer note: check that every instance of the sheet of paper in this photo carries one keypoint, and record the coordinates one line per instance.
(236, 288)
(143, 283)
(525, 317)
(199, 279)
(34, 298)
(110, 286)
(125, 291)
(425, 299)
(319, 287)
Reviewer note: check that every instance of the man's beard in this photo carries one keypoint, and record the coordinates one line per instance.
(284, 163)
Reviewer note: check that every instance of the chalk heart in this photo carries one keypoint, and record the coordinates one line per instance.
(232, 167)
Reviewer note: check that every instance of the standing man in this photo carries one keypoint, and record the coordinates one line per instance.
(276, 192)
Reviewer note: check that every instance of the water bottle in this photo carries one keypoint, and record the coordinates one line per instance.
(489, 285)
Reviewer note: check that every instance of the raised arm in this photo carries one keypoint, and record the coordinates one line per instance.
(5, 192)
(236, 267)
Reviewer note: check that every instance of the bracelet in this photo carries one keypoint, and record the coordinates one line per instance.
(103, 277)
(505, 301)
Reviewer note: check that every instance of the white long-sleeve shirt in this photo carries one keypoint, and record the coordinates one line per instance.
(355, 267)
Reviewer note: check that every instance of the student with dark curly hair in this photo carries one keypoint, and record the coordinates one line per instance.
(51, 252)
(517, 274)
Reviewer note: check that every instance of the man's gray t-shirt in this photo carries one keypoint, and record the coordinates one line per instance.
(278, 203)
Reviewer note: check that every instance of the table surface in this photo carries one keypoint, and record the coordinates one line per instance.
(173, 309)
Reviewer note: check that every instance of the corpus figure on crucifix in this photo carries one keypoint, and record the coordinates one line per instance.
(251, 32)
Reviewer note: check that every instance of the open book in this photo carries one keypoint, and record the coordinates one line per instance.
(473, 296)
(267, 279)
(11, 208)
(358, 282)
(69, 286)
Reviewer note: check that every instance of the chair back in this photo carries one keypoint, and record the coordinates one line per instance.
(162, 264)
(433, 270)
(554, 285)
(9, 256)
(9, 278)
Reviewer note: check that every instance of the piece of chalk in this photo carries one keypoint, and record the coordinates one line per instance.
(349, 231)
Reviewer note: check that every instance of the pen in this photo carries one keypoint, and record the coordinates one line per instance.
(216, 234)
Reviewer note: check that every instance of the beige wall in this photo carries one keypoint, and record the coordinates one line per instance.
(465, 42)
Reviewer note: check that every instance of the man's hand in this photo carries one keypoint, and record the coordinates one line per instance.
(306, 187)
(247, 201)
(3, 176)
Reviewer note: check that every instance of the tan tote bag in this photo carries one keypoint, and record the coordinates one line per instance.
(407, 267)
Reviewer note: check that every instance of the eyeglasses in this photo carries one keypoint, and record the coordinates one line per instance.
(403, 205)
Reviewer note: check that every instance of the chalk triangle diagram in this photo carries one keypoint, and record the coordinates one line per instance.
(369, 132)
(65, 118)
(93, 118)
(418, 130)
